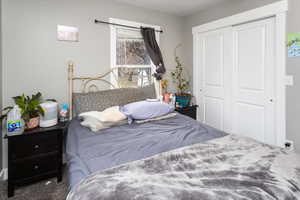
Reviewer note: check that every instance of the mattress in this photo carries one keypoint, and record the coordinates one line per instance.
(90, 152)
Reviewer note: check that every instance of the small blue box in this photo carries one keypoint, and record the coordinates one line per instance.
(14, 126)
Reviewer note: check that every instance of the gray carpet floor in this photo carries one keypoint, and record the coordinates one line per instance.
(44, 190)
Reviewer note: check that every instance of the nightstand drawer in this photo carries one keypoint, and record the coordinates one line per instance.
(34, 145)
(34, 167)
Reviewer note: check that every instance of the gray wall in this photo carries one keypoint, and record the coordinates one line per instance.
(293, 64)
(1, 82)
(293, 68)
(33, 60)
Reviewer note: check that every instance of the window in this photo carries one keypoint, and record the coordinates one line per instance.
(130, 48)
(129, 56)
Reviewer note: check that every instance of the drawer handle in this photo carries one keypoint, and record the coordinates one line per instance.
(36, 167)
(36, 146)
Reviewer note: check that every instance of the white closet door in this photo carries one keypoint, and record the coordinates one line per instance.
(253, 81)
(214, 73)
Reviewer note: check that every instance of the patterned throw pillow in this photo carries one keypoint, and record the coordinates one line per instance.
(99, 101)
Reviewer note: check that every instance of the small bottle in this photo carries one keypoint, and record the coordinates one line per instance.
(15, 124)
(63, 113)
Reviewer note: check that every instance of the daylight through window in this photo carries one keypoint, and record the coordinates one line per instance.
(132, 60)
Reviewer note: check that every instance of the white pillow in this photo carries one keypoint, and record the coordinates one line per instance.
(93, 123)
(100, 120)
(112, 114)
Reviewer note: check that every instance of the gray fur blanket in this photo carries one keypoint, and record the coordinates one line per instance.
(227, 168)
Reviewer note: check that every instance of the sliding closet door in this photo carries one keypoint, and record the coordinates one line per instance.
(253, 81)
(213, 79)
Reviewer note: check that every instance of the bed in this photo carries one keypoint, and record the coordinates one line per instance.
(173, 158)
(90, 152)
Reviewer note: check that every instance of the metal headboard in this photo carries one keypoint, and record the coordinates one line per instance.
(86, 83)
(88, 86)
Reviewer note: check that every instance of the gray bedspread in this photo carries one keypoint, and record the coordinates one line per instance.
(227, 168)
(89, 152)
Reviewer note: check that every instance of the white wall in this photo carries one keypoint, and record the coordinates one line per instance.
(33, 60)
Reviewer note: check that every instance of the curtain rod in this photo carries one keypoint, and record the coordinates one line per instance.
(103, 22)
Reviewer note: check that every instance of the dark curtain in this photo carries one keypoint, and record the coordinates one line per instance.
(153, 51)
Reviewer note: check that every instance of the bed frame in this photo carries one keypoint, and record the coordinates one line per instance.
(88, 83)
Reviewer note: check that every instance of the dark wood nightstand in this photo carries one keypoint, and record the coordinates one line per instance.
(35, 155)
(190, 111)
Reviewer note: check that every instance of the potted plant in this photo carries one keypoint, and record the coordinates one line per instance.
(182, 84)
(30, 109)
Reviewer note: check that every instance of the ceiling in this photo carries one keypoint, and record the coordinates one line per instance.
(176, 7)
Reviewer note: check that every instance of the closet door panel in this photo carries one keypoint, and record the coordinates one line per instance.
(214, 112)
(213, 48)
(253, 96)
(250, 58)
(212, 92)
(214, 98)
(251, 120)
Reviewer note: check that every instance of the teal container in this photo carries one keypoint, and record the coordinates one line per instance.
(183, 101)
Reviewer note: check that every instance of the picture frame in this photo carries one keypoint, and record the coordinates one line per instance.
(67, 33)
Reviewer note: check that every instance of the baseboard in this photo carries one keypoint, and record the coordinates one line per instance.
(3, 174)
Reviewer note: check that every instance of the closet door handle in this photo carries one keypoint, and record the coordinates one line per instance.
(271, 100)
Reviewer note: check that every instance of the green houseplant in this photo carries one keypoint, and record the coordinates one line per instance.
(182, 84)
(30, 109)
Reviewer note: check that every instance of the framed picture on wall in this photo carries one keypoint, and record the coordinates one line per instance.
(293, 45)
(67, 33)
